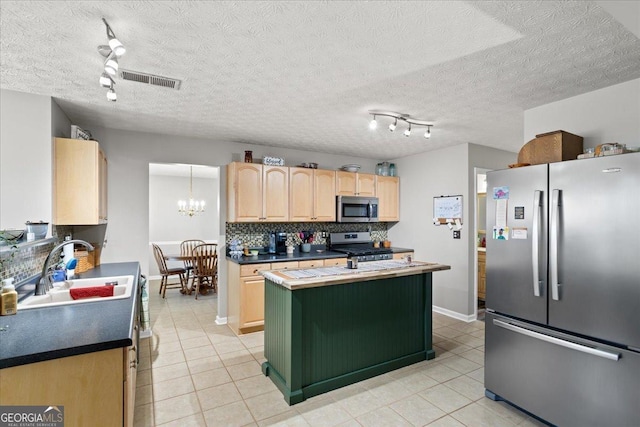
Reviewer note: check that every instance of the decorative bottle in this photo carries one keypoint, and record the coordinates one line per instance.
(248, 156)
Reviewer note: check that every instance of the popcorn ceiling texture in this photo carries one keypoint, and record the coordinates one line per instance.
(302, 74)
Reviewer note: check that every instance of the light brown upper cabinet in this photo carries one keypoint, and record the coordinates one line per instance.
(312, 195)
(257, 193)
(355, 184)
(388, 190)
(79, 182)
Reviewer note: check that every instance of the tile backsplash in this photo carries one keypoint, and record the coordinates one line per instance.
(257, 234)
(24, 262)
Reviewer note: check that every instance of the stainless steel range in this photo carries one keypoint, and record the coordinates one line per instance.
(358, 245)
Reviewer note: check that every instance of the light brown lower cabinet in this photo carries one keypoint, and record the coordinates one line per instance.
(246, 291)
(94, 388)
(482, 280)
(402, 255)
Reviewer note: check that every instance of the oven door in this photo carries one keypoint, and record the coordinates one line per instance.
(357, 209)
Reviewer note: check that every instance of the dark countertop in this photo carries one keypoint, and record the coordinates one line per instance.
(298, 256)
(39, 334)
(400, 250)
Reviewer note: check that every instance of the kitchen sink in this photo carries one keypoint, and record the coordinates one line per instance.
(60, 294)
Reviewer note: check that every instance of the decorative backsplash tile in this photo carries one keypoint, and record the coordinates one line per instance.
(257, 234)
(24, 262)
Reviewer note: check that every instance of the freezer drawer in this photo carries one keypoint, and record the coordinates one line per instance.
(567, 383)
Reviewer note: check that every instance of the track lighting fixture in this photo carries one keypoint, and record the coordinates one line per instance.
(111, 51)
(402, 117)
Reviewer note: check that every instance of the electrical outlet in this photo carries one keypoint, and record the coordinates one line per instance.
(323, 234)
(456, 234)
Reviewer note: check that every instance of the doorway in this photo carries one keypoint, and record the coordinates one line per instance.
(170, 183)
(481, 238)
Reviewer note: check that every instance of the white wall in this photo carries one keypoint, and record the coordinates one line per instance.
(25, 159)
(167, 227)
(60, 123)
(607, 115)
(424, 176)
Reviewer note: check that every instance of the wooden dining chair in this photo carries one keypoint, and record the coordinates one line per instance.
(186, 248)
(205, 258)
(167, 272)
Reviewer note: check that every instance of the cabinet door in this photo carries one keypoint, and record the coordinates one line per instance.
(324, 191)
(301, 201)
(251, 301)
(102, 167)
(130, 369)
(248, 192)
(76, 182)
(275, 196)
(335, 262)
(366, 184)
(345, 183)
(388, 188)
(482, 275)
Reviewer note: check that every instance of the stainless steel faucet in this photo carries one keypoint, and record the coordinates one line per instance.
(44, 284)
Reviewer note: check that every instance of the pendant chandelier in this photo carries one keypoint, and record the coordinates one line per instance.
(192, 207)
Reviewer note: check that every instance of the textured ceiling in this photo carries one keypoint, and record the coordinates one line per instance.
(304, 74)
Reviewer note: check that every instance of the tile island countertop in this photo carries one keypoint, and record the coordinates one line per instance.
(371, 270)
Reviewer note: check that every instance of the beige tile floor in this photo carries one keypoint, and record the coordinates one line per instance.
(193, 372)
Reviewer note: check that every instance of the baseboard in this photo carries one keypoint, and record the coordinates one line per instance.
(154, 277)
(454, 314)
(221, 320)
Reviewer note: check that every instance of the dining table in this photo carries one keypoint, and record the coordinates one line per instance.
(204, 287)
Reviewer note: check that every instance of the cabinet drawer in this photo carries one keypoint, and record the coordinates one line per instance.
(284, 265)
(335, 262)
(311, 263)
(402, 255)
(253, 269)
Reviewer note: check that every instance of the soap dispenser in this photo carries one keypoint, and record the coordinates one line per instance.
(9, 298)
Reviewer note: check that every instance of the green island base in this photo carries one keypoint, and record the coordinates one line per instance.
(322, 338)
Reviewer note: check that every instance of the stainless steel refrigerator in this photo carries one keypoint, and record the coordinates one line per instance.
(562, 334)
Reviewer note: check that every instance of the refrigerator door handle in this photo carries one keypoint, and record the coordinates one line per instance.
(535, 242)
(553, 244)
(557, 341)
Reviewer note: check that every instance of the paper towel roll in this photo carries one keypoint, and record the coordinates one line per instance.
(68, 252)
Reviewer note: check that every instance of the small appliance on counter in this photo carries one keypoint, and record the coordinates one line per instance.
(272, 243)
(281, 243)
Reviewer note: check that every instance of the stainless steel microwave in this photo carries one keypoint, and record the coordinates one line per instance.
(356, 209)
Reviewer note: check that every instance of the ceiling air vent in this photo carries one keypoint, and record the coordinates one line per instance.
(136, 76)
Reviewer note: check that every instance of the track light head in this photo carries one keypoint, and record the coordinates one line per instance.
(408, 131)
(393, 125)
(111, 95)
(105, 80)
(116, 46)
(373, 124)
(111, 65)
(427, 134)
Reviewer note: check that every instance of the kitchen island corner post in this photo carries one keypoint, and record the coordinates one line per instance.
(283, 329)
(428, 316)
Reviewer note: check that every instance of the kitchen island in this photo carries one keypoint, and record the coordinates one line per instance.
(329, 327)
